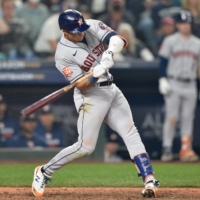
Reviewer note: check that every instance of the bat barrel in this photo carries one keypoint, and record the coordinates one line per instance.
(52, 97)
(39, 104)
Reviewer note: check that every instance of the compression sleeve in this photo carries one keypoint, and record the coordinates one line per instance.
(163, 67)
(117, 43)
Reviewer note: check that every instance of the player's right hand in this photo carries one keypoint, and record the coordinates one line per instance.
(99, 70)
(164, 86)
(107, 59)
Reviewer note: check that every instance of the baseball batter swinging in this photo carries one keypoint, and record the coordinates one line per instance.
(180, 58)
(97, 98)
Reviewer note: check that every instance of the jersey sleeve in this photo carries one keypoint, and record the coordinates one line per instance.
(101, 30)
(70, 70)
(165, 49)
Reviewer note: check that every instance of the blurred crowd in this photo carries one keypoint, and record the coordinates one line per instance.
(31, 132)
(29, 28)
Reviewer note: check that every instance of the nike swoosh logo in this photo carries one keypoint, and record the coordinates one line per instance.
(75, 53)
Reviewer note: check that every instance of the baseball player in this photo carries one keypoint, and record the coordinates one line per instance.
(180, 57)
(97, 98)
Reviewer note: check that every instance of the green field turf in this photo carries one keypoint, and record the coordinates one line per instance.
(103, 175)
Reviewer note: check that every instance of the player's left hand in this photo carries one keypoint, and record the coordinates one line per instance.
(98, 71)
(107, 59)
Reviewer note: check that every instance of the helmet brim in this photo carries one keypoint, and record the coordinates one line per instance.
(80, 29)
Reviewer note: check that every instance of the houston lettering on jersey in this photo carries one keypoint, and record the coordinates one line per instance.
(90, 60)
(88, 63)
(98, 50)
(185, 53)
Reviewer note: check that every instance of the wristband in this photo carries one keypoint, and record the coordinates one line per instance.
(92, 79)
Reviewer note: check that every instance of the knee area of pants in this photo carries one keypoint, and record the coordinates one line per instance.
(86, 151)
(132, 131)
(172, 121)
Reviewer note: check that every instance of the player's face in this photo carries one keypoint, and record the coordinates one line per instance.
(74, 37)
(184, 28)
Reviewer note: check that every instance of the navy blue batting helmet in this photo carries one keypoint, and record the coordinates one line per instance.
(184, 17)
(72, 21)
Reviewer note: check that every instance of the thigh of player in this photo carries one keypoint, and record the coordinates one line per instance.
(92, 107)
(172, 105)
(189, 103)
(119, 117)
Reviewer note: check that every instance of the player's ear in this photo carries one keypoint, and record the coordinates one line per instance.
(65, 32)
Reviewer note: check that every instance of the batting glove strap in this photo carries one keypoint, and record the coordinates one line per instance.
(92, 79)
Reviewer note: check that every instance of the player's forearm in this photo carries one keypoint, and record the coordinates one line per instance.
(87, 83)
(163, 67)
(116, 44)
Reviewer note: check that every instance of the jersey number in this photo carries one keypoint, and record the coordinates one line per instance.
(88, 63)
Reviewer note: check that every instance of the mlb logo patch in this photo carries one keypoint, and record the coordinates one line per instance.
(67, 72)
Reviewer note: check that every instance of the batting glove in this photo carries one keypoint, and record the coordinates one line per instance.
(107, 59)
(164, 86)
(99, 70)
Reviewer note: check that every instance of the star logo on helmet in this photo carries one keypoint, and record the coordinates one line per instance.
(80, 22)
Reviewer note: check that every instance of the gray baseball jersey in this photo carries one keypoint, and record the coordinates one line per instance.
(182, 71)
(97, 104)
(76, 59)
(184, 56)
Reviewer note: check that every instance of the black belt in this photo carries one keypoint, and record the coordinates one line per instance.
(105, 83)
(186, 80)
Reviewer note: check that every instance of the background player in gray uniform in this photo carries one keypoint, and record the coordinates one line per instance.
(97, 99)
(180, 57)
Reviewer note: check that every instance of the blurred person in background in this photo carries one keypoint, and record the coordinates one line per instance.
(84, 10)
(3, 30)
(27, 137)
(178, 69)
(167, 28)
(98, 8)
(164, 8)
(116, 14)
(53, 5)
(136, 7)
(50, 34)
(194, 7)
(115, 150)
(18, 3)
(14, 42)
(34, 13)
(8, 125)
(135, 49)
(146, 25)
(49, 129)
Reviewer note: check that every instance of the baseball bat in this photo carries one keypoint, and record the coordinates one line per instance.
(51, 97)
